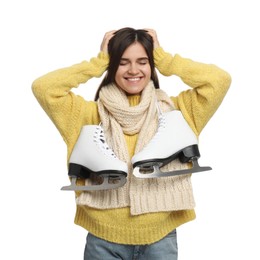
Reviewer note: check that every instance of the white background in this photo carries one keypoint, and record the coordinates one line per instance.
(36, 220)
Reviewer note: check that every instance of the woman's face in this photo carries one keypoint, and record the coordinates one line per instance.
(134, 71)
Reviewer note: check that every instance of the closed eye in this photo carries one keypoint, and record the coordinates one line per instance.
(123, 62)
(141, 61)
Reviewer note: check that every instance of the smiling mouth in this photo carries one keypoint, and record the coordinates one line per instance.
(134, 79)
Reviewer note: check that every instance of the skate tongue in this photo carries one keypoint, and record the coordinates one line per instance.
(139, 172)
(109, 182)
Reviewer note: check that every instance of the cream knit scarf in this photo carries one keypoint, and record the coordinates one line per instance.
(141, 195)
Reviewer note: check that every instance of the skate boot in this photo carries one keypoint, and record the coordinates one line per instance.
(173, 139)
(92, 159)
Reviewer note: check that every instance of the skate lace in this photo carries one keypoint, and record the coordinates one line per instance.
(99, 138)
(160, 129)
(161, 125)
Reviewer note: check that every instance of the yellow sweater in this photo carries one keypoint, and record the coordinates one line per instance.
(69, 113)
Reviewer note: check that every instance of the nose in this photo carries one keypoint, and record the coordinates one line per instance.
(133, 69)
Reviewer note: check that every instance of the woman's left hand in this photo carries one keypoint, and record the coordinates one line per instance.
(153, 34)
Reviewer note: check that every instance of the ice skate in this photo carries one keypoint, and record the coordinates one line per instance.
(174, 139)
(92, 159)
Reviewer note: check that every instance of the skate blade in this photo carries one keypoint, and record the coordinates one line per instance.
(157, 173)
(107, 184)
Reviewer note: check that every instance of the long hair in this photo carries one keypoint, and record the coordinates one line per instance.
(122, 39)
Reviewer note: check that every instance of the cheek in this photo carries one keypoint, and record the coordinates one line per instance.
(147, 69)
(120, 72)
(119, 77)
(148, 72)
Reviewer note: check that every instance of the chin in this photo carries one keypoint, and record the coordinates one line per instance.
(134, 92)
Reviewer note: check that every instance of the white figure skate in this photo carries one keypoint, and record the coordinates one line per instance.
(91, 157)
(173, 139)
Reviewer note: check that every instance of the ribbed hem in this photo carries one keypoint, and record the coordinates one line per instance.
(118, 226)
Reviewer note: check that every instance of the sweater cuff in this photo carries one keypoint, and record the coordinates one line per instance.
(158, 54)
(165, 62)
(99, 64)
(103, 56)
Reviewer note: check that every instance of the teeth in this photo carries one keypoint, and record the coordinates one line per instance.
(133, 79)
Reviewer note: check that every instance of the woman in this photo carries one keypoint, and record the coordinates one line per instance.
(140, 218)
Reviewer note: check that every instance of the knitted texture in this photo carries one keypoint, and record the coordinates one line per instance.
(142, 195)
(69, 112)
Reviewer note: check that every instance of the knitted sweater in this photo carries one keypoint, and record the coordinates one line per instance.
(208, 86)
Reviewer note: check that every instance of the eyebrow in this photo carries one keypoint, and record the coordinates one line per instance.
(142, 58)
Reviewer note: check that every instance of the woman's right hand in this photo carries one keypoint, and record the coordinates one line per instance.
(106, 39)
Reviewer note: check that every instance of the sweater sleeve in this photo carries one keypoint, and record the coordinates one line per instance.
(208, 86)
(65, 109)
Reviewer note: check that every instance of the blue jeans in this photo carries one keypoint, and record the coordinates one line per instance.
(99, 249)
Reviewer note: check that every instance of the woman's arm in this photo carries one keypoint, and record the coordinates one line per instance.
(208, 86)
(53, 92)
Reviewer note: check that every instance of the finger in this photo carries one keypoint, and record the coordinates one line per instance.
(106, 39)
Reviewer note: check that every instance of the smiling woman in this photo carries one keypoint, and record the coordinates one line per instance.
(141, 215)
(134, 71)
(131, 59)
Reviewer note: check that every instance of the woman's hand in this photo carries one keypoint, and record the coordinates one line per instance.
(106, 39)
(153, 34)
